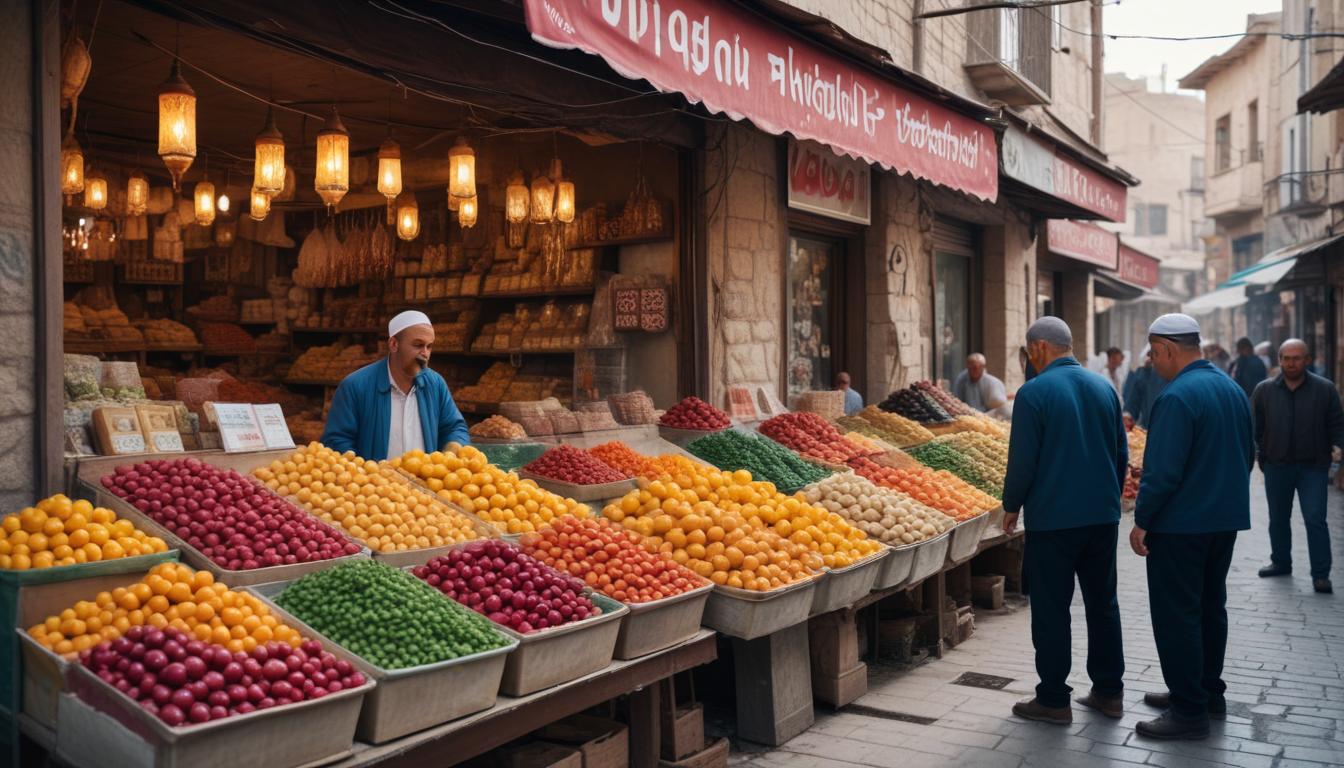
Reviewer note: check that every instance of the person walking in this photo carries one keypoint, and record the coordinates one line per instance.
(1067, 460)
(1142, 388)
(1298, 423)
(1248, 369)
(1193, 498)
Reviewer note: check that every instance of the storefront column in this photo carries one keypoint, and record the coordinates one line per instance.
(900, 307)
(30, 399)
(1077, 311)
(1009, 269)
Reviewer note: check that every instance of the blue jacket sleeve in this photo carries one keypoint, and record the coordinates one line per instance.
(1164, 459)
(1122, 449)
(342, 426)
(452, 426)
(1128, 400)
(1024, 446)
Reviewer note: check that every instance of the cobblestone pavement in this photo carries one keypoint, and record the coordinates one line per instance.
(1285, 676)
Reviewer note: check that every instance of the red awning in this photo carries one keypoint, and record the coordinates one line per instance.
(1084, 242)
(1041, 165)
(723, 56)
(1137, 267)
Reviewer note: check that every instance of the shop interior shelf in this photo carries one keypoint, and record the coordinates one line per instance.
(333, 330)
(152, 347)
(564, 290)
(648, 237)
(101, 346)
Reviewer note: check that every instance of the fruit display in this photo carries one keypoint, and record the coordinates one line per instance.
(330, 363)
(609, 559)
(947, 400)
(694, 413)
(1138, 443)
(870, 446)
(893, 428)
(626, 460)
(58, 532)
(170, 595)
(810, 435)
(1132, 479)
(764, 459)
(165, 332)
(181, 680)
(227, 336)
(982, 424)
(888, 516)
(386, 616)
(989, 454)
(463, 476)
(228, 517)
(572, 465)
(365, 500)
(510, 587)
(941, 456)
(498, 427)
(939, 489)
(916, 405)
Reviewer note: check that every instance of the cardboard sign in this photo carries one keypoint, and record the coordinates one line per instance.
(824, 183)
(274, 429)
(238, 428)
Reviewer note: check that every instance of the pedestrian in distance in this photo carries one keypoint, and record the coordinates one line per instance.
(1193, 498)
(1298, 424)
(1248, 369)
(1067, 460)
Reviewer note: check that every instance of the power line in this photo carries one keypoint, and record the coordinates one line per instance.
(1000, 4)
(1158, 115)
(1292, 36)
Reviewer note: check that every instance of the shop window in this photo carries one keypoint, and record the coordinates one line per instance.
(1222, 143)
(812, 264)
(1247, 251)
(1047, 289)
(951, 313)
(1196, 174)
(1150, 219)
(1021, 39)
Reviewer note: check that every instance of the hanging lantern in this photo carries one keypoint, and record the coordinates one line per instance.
(454, 203)
(137, 194)
(332, 179)
(466, 213)
(72, 169)
(564, 201)
(224, 233)
(543, 198)
(205, 203)
(268, 172)
(389, 175)
(177, 125)
(95, 191)
(222, 204)
(408, 216)
(461, 170)
(515, 199)
(260, 205)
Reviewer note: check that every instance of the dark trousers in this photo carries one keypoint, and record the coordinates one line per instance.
(1052, 560)
(1310, 482)
(1187, 593)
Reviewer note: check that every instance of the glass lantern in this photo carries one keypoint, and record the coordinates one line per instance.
(137, 194)
(95, 191)
(389, 174)
(332, 179)
(515, 199)
(461, 170)
(268, 171)
(408, 216)
(205, 203)
(177, 124)
(466, 213)
(72, 169)
(260, 205)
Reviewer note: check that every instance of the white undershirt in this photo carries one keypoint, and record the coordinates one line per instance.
(404, 431)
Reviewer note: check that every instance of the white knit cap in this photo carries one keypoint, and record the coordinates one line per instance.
(1174, 324)
(407, 319)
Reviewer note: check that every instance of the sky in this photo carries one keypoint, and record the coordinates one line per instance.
(1173, 18)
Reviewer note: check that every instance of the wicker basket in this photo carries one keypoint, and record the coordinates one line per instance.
(828, 404)
(633, 408)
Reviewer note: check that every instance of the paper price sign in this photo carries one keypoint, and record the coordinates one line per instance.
(274, 429)
(239, 430)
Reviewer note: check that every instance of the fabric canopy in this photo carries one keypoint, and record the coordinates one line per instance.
(1223, 298)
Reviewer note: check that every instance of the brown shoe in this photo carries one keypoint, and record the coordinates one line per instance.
(1110, 706)
(1033, 710)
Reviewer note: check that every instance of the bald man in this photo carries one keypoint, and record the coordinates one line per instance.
(1298, 423)
(977, 387)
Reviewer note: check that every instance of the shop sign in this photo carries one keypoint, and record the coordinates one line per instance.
(1137, 268)
(828, 184)
(1084, 242)
(725, 57)
(238, 427)
(1041, 166)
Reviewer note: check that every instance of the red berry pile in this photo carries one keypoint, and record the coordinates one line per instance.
(511, 588)
(182, 680)
(234, 521)
(573, 465)
(694, 413)
(812, 436)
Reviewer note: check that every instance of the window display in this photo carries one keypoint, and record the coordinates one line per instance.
(810, 266)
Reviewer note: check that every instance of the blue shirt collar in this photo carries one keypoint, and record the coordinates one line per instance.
(1061, 362)
(1197, 364)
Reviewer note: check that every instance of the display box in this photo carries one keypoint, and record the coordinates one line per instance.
(603, 743)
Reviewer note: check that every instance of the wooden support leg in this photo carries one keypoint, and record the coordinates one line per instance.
(934, 589)
(838, 677)
(644, 723)
(774, 686)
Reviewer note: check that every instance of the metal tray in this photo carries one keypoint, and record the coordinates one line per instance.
(843, 586)
(289, 735)
(929, 558)
(895, 569)
(653, 626)
(411, 699)
(596, 492)
(995, 527)
(556, 655)
(966, 539)
(43, 679)
(197, 559)
(747, 614)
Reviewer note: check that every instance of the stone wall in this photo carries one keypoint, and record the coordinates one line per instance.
(18, 404)
(1009, 301)
(899, 280)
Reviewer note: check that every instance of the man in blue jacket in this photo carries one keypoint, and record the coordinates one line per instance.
(1067, 460)
(1194, 497)
(396, 404)
(1142, 388)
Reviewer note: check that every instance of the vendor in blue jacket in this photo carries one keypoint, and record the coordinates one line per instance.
(398, 404)
(1194, 497)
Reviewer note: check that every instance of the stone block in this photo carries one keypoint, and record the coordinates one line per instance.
(736, 331)
(743, 232)
(765, 330)
(740, 263)
(737, 301)
(16, 273)
(16, 390)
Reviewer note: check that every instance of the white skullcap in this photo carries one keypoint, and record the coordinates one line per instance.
(407, 319)
(1174, 324)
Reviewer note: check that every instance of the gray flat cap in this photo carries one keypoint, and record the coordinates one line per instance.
(1050, 329)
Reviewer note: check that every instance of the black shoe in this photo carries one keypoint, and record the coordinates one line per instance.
(1110, 706)
(1217, 706)
(1276, 570)
(1034, 710)
(1323, 586)
(1170, 727)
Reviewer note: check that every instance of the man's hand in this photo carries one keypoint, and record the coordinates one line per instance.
(1136, 541)
(1009, 522)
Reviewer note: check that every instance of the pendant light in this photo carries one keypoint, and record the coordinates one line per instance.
(543, 198)
(137, 194)
(72, 168)
(95, 190)
(408, 216)
(332, 179)
(268, 172)
(454, 203)
(222, 204)
(177, 124)
(564, 197)
(260, 205)
(466, 213)
(515, 199)
(205, 202)
(461, 170)
(389, 175)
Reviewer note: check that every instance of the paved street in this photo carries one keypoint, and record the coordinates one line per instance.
(1285, 676)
